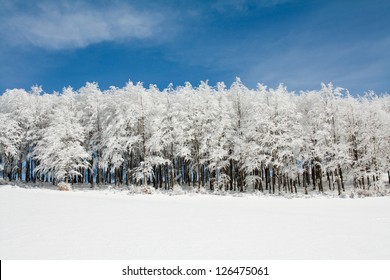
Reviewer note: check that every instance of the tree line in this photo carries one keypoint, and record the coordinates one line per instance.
(214, 137)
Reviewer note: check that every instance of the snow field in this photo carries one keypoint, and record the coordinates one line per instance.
(48, 224)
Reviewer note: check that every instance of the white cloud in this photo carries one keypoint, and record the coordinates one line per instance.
(79, 25)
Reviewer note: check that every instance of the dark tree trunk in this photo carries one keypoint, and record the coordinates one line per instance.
(20, 167)
(307, 177)
(261, 181)
(160, 176)
(188, 172)
(199, 172)
(27, 170)
(172, 168)
(332, 181)
(179, 170)
(238, 177)
(243, 178)
(313, 177)
(231, 174)
(388, 175)
(338, 182)
(34, 176)
(166, 169)
(341, 178)
(319, 178)
(273, 182)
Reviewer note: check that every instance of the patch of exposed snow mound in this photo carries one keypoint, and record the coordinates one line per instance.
(177, 190)
(64, 186)
(141, 190)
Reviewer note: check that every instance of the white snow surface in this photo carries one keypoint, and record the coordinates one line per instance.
(49, 224)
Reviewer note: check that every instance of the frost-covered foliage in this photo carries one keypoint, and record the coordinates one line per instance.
(60, 150)
(206, 137)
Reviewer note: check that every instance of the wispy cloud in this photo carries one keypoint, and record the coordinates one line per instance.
(356, 67)
(244, 5)
(64, 26)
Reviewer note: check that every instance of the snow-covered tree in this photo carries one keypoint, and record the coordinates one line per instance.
(215, 137)
(60, 152)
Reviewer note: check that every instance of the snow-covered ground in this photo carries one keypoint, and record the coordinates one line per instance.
(49, 224)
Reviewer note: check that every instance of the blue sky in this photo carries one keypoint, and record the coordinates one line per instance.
(298, 43)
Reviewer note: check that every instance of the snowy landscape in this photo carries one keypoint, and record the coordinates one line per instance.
(108, 224)
(195, 130)
(207, 172)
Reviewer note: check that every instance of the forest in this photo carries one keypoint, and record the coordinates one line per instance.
(219, 138)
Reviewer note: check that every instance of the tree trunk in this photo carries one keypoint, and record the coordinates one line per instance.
(179, 171)
(231, 174)
(199, 171)
(341, 178)
(267, 179)
(332, 181)
(172, 168)
(307, 177)
(273, 182)
(313, 177)
(242, 178)
(160, 173)
(66, 175)
(166, 169)
(319, 178)
(27, 170)
(34, 176)
(261, 181)
(338, 182)
(388, 175)
(20, 167)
